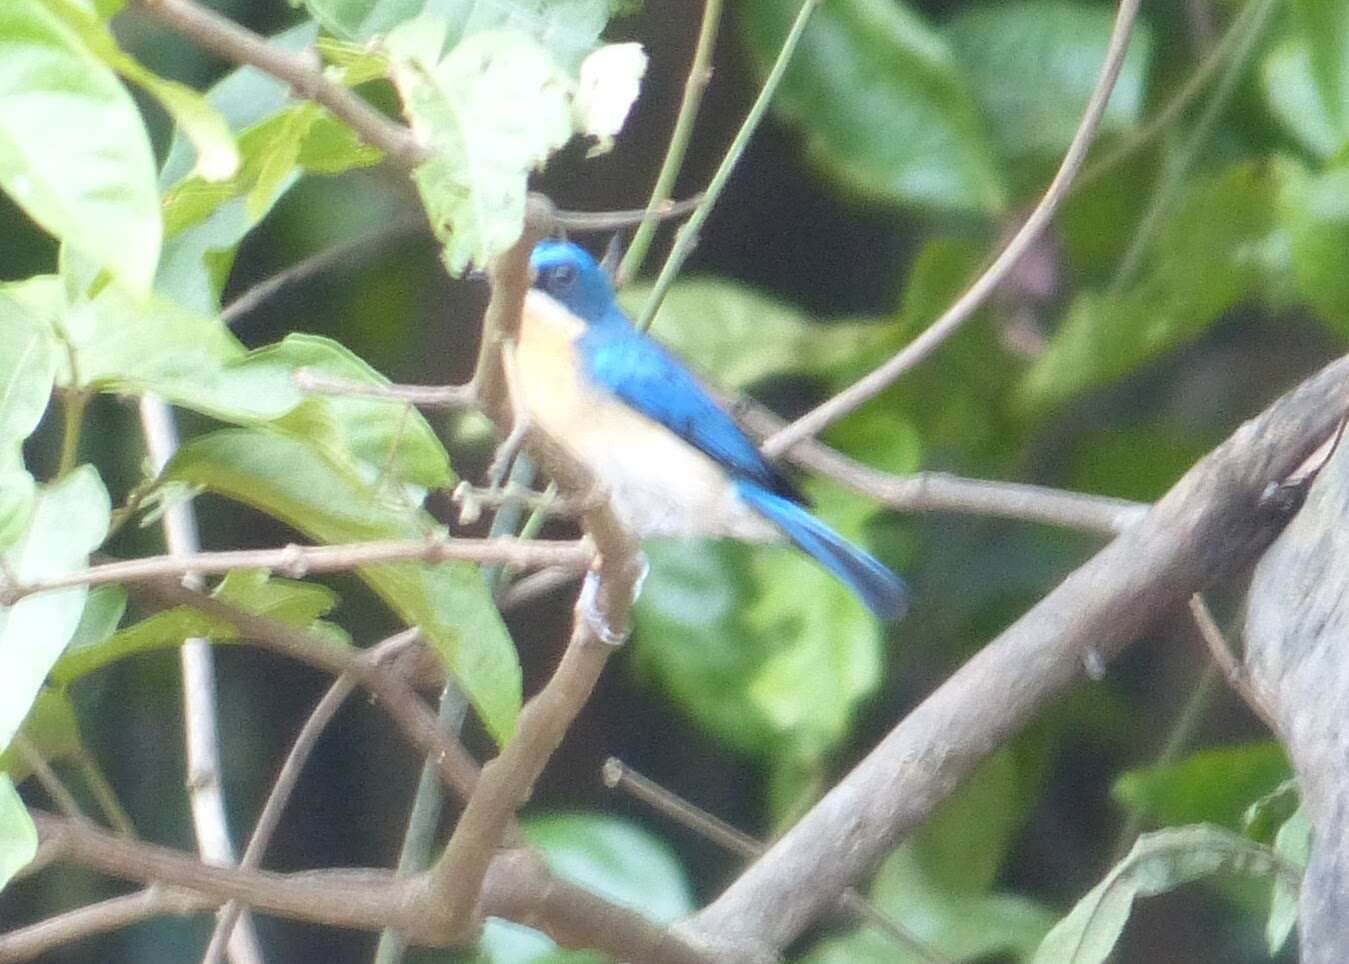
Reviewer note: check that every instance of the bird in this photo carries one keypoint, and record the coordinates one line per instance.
(674, 462)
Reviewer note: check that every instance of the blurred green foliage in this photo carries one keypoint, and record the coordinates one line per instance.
(1194, 272)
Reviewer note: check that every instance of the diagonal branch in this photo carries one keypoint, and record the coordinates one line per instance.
(225, 38)
(871, 385)
(1215, 521)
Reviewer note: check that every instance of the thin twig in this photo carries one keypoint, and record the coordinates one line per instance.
(1168, 185)
(75, 402)
(943, 492)
(1227, 662)
(1179, 734)
(31, 942)
(284, 785)
(319, 263)
(1192, 88)
(686, 238)
(427, 806)
(298, 561)
(204, 789)
(533, 586)
(871, 385)
(700, 72)
(429, 396)
(617, 775)
(583, 221)
(56, 789)
(103, 793)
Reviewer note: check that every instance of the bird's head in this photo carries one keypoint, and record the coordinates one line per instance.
(569, 275)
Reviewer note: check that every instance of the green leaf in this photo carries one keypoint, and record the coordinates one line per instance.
(1158, 862)
(297, 483)
(382, 440)
(204, 127)
(964, 845)
(737, 336)
(1263, 818)
(492, 110)
(297, 604)
(957, 925)
(244, 97)
(1325, 31)
(205, 221)
(18, 836)
(73, 151)
(1293, 845)
(1032, 66)
(27, 373)
(1313, 213)
(1206, 259)
(70, 519)
(52, 729)
(570, 29)
(1212, 786)
(759, 644)
(612, 858)
(127, 345)
(1290, 89)
(882, 101)
(615, 859)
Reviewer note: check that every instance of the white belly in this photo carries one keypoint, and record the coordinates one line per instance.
(658, 484)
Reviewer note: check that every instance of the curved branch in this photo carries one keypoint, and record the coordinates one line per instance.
(871, 385)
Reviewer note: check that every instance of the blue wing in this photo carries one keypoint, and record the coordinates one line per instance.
(648, 378)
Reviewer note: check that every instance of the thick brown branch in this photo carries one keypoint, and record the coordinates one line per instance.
(1216, 520)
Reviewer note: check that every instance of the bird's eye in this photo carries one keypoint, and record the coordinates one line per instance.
(564, 276)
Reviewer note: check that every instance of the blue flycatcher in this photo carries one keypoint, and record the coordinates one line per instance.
(673, 461)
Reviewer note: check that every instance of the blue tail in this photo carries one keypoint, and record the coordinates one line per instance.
(880, 590)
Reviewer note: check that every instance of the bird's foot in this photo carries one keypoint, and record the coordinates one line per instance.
(588, 607)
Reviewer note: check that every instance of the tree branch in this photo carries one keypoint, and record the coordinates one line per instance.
(943, 492)
(284, 784)
(229, 41)
(298, 561)
(529, 894)
(871, 385)
(1216, 520)
(29, 943)
(430, 396)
